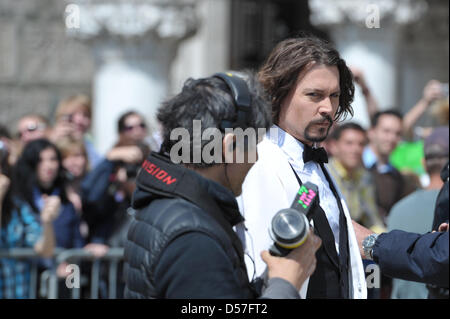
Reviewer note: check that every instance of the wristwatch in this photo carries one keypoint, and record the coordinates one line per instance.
(368, 244)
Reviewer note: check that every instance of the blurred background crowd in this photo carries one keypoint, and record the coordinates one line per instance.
(80, 82)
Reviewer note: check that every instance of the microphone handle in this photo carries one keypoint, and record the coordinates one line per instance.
(276, 250)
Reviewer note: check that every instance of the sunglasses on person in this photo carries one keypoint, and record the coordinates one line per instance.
(32, 127)
(132, 127)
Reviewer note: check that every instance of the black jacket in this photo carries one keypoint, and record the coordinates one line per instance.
(103, 211)
(441, 216)
(414, 257)
(441, 210)
(181, 243)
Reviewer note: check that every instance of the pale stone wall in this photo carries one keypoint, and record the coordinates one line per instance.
(207, 52)
(39, 64)
(407, 47)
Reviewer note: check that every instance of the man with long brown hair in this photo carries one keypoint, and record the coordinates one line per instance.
(310, 87)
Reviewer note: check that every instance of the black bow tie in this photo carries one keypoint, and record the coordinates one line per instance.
(318, 155)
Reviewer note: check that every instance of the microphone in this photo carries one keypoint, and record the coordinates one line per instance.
(290, 226)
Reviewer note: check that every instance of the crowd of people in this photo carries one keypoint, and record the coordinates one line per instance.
(57, 191)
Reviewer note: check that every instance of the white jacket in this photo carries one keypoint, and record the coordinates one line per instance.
(269, 187)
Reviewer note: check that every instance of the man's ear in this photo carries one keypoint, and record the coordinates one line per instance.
(229, 148)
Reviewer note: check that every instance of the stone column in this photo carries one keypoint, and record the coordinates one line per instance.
(368, 35)
(134, 44)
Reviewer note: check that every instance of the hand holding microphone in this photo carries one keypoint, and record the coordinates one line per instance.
(297, 266)
(292, 256)
(290, 227)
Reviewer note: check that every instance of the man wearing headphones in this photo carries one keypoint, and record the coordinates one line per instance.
(181, 243)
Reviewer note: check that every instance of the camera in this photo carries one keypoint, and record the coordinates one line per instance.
(132, 170)
(67, 118)
(290, 227)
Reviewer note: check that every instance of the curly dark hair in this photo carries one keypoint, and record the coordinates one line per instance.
(209, 100)
(290, 57)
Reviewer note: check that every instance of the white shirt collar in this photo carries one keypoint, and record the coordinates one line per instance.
(292, 147)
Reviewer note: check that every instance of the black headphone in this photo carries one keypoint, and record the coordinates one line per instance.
(242, 99)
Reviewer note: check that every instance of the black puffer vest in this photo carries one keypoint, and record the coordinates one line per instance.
(170, 201)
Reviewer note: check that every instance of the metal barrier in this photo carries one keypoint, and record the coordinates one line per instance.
(25, 253)
(49, 280)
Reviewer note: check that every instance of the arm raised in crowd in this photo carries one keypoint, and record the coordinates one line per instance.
(46, 243)
(431, 92)
(97, 201)
(371, 102)
(96, 183)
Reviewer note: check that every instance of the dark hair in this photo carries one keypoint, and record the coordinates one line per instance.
(25, 172)
(123, 117)
(435, 165)
(376, 117)
(4, 131)
(7, 206)
(337, 132)
(210, 101)
(280, 72)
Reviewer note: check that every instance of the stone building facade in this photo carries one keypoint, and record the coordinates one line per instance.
(154, 45)
(39, 64)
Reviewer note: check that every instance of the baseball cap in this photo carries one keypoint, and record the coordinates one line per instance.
(436, 144)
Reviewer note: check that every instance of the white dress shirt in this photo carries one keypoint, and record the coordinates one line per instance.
(271, 186)
(309, 172)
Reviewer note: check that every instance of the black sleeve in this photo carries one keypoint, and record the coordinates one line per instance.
(415, 257)
(442, 207)
(441, 210)
(195, 266)
(98, 205)
(95, 184)
(77, 239)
